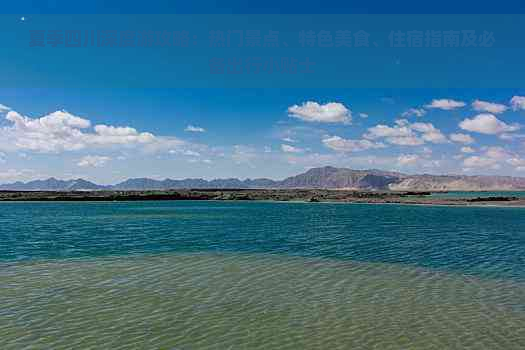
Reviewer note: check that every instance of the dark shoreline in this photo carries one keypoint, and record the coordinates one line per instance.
(280, 195)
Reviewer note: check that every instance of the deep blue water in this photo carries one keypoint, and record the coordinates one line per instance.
(480, 241)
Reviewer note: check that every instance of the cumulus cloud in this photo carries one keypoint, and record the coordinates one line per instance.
(445, 104)
(480, 162)
(62, 131)
(331, 112)
(93, 161)
(418, 112)
(340, 144)
(406, 134)
(4, 108)
(408, 159)
(429, 132)
(55, 132)
(192, 128)
(405, 141)
(291, 149)
(467, 149)
(363, 115)
(400, 134)
(105, 134)
(496, 152)
(517, 102)
(462, 138)
(486, 123)
(483, 106)
(492, 158)
(495, 156)
(411, 160)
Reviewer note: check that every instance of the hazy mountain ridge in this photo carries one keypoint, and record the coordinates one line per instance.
(325, 177)
(53, 184)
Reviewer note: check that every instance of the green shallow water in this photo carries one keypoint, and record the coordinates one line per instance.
(252, 301)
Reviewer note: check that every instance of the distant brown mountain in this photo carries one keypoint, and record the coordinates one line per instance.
(458, 183)
(331, 177)
(325, 177)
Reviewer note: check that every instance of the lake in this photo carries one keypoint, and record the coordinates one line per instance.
(260, 275)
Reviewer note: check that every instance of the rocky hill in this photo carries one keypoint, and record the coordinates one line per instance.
(323, 178)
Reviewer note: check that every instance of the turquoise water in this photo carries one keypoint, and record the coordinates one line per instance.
(484, 241)
(258, 275)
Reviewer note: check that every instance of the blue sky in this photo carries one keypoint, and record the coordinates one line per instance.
(257, 132)
(109, 113)
(268, 6)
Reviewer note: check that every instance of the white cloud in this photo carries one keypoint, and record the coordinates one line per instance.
(430, 133)
(480, 162)
(4, 108)
(496, 152)
(414, 160)
(289, 139)
(406, 134)
(467, 149)
(434, 137)
(382, 130)
(331, 112)
(55, 132)
(517, 163)
(462, 138)
(291, 149)
(493, 158)
(406, 141)
(15, 175)
(517, 102)
(487, 124)
(408, 159)
(191, 153)
(192, 128)
(445, 104)
(62, 131)
(185, 152)
(93, 161)
(363, 115)
(344, 145)
(418, 112)
(105, 134)
(197, 160)
(506, 136)
(483, 106)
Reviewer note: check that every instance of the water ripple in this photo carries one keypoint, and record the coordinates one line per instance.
(212, 301)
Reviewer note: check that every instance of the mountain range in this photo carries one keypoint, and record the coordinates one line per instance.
(325, 177)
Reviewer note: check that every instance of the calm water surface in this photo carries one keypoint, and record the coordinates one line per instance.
(254, 275)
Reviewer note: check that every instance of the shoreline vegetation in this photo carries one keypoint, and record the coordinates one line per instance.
(276, 195)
